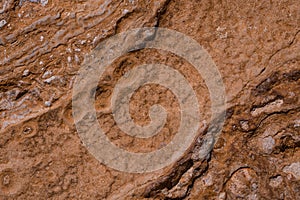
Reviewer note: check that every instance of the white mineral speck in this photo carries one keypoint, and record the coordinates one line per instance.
(69, 59)
(95, 39)
(26, 72)
(48, 103)
(125, 11)
(46, 74)
(49, 80)
(82, 41)
(297, 123)
(44, 2)
(76, 58)
(221, 32)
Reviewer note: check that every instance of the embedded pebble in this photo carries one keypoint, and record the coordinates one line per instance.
(268, 144)
(26, 72)
(2, 23)
(47, 73)
(69, 59)
(276, 181)
(207, 180)
(125, 11)
(10, 183)
(48, 103)
(293, 169)
(297, 123)
(268, 108)
(244, 125)
(27, 130)
(49, 80)
(44, 2)
(6, 180)
(222, 196)
(242, 183)
(76, 58)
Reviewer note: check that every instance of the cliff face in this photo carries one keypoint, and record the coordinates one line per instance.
(255, 46)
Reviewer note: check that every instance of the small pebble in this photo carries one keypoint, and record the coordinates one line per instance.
(297, 123)
(27, 130)
(268, 144)
(276, 181)
(2, 23)
(26, 72)
(48, 103)
(293, 169)
(125, 11)
(76, 58)
(44, 2)
(49, 80)
(222, 196)
(6, 180)
(207, 180)
(47, 74)
(244, 125)
(82, 41)
(69, 59)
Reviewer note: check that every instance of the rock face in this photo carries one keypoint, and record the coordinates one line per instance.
(254, 44)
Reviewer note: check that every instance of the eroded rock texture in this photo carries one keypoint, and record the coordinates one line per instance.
(255, 45)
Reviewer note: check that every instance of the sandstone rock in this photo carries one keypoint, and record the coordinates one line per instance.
(255, 46)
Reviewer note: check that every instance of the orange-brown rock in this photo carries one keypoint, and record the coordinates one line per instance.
(254, 44)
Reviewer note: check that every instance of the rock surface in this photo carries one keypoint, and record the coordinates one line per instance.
(256, 46)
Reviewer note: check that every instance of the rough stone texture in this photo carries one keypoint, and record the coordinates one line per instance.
(255, 45)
